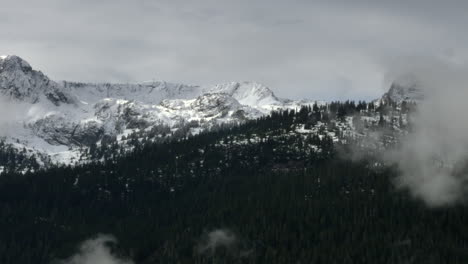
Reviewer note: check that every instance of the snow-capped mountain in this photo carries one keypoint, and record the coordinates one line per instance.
(248, 93)
(61, 119)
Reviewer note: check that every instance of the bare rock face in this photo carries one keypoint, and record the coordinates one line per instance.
(56, 130)
(87, 134)
(215, 104)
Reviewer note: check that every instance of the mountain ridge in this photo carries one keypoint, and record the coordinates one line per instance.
(61, 119)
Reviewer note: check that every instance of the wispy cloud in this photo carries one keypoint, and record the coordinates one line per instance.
(96, 251)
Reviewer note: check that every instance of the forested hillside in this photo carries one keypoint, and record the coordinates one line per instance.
(12, 159)
(282, 196)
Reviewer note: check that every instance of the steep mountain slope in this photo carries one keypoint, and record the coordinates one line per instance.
(63, 119)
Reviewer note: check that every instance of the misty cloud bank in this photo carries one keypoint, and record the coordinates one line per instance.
(433, 157)
(96, 251)
(11, 114)
(10, 111)
(14, 113)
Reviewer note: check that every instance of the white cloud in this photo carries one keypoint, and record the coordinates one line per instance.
(96, 251)
(433, 158)
(219, 238)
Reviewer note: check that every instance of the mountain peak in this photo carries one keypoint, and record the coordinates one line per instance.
(407, 89)
(14, 63)
(19, 81)
(247, 92)
(403, 88)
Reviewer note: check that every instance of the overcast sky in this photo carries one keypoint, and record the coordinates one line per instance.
(299, 48)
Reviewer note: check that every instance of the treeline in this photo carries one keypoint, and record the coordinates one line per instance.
(277, 122)
(13, 159)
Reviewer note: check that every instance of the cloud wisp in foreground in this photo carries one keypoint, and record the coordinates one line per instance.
(433, 157)
(96, 251)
